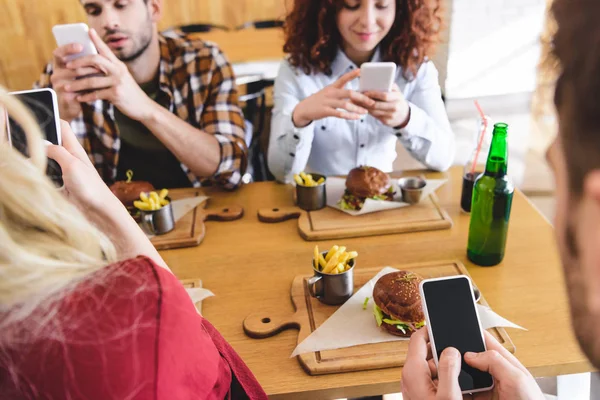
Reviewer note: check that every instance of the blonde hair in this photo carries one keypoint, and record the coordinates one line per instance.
(46, 244)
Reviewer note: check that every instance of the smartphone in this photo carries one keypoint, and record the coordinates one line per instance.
(43, 104)
(453, 321)
(377, 76)
(74, 33)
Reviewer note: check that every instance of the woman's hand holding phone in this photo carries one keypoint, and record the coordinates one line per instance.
(82, 184)
(85, 189)
(391, 108)
(332, 101)
(421, 379)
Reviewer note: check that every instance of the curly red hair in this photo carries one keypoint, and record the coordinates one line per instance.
(312, 45)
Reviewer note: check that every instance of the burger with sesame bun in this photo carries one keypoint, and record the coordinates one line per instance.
(398, 308)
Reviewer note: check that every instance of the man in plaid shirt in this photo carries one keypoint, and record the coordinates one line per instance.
(164, 107)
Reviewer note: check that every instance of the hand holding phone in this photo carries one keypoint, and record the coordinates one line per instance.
(377, 76)
(377, 83)
(453, 321)
(333, 100)
(74, 34)
(73, 42)
(511, 378)
(43, 104)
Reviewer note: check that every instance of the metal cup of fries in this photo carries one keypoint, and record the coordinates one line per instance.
(333, 280)
(310, 191)
(156, 212)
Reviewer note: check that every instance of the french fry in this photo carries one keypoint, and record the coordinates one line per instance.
(303, 176)
(335, 261)
(337, 255)
(321, 180)
(322, 261)
(344, 258)
(309, 180)
(154, 197)
(331, 252)
(298, 179)
(152, 201)
(331, 264)
(141, 205)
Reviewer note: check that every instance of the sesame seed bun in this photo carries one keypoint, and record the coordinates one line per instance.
(397, 295)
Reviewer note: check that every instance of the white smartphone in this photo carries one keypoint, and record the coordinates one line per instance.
(377, 76)
(74, 33)
(43, 104)
(453, 321)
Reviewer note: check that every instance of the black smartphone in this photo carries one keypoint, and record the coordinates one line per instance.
(453, 321)
(43, 104)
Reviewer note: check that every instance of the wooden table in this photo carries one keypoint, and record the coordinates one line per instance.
(250, 266)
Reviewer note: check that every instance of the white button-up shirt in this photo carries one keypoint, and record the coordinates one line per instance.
(333, 146)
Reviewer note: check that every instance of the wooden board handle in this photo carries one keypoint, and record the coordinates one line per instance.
(272, 215)
(228, 213)
(266, 324)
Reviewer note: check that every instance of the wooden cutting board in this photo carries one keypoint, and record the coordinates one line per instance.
(330, 223)
(193, 284)
(311, 313)
(190, 229)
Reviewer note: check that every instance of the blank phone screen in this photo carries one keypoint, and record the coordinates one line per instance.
(41, 106)
(454, 323)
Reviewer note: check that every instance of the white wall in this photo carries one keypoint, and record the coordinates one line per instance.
(494, 47)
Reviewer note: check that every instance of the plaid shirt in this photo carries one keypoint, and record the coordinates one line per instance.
(197, 84)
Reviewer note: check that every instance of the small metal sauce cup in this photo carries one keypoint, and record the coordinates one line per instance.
(332, 289)
(411, 188)
(158, 222)
(311, 198)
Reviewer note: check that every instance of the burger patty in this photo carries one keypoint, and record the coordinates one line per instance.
(403, 326)
(352, 202)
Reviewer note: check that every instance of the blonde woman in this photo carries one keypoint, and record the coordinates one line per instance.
(88, 309)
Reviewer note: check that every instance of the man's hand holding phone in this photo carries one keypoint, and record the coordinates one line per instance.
(116, 86)
(69, 106)
(512, 380)
(421, 379)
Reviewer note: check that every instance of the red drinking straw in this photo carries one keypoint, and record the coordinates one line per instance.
(481, 135)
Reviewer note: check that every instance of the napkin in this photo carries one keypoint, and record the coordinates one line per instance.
(197, 295)
(182, 207)
(336, 186)
(351, 325)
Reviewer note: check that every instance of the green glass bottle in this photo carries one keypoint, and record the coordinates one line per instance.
(491, 204)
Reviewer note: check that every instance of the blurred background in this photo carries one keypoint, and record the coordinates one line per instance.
(490, 52)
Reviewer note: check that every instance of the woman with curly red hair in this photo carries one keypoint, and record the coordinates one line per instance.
(320, 120)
